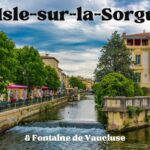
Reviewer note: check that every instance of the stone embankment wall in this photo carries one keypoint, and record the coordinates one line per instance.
(127, 113)
(11, 118)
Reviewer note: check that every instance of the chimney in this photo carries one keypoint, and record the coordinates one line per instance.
(123, 34)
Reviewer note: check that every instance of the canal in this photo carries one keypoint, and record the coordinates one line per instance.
(75, 118)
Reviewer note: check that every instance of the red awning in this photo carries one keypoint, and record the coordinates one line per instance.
(13, 86)
(44, 87)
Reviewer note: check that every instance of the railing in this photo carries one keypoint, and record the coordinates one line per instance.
(5, 105)
(121, 103)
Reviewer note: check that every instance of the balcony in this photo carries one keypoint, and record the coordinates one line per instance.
(138, 43)
(142, 47)
(137, 67)
(120, 104)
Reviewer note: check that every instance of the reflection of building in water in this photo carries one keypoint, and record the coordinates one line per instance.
(140, 47)
(54, 63)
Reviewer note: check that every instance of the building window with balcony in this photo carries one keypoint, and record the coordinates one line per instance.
(137, 42)
(144, 42)
(138, 59)
(137, 77)
(130, 42)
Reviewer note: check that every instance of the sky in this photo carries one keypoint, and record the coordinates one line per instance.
(74, 43)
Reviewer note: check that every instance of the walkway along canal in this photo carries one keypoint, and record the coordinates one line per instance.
(78, 117)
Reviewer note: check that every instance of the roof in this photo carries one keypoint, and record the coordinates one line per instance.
(49, 57)
(63, 74)
(14, 86)
(144, 34)
(60, 69)
(44, 87)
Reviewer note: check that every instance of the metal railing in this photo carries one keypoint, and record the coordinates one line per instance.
(7, 105)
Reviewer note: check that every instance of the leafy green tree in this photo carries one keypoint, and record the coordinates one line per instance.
(52, 79)
(30, 69)
(7, 60)
(95, 87)
(115, 57)
(114, 84)
(3, 88)
(138, 91)
(83, 86)
(75, 82)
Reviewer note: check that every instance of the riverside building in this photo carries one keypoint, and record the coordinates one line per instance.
(54, 63)
(140, 47)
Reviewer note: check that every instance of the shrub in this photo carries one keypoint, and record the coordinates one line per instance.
(147, 119)
(138, 91)
(131, 111)
(114, 84)
(145, 90)
(95, 87)
(134, 111)
(138, 110)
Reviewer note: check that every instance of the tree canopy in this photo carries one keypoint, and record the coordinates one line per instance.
(52, 79)
(7, 61)
(75, 82)
(114, 84)
(30, 68)
(115, 57)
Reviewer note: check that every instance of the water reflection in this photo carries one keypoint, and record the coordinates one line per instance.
(83, 110)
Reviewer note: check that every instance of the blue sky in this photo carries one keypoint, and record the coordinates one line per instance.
(75, 44)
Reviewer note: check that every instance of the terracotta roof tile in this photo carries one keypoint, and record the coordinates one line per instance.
(147, 34)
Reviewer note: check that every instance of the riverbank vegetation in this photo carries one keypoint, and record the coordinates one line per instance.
(114, 84)
(113, 74)
(134, 111)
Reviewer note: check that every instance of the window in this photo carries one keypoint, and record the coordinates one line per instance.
(130, 42)
(144, 42)
(137, 77)
(137, 42)
(138, 59)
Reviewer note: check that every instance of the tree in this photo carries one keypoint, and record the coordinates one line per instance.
(83, 86)
(95, 87)
(3, 88)
(138, 91)
(75, 82)
(114, 84)
(30, 69)
(115, 57)
(52, 79)
(7, 60)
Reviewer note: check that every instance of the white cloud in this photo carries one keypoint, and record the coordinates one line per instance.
(75, 62)
(78, 62)
(19, 46)
(68, 24)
